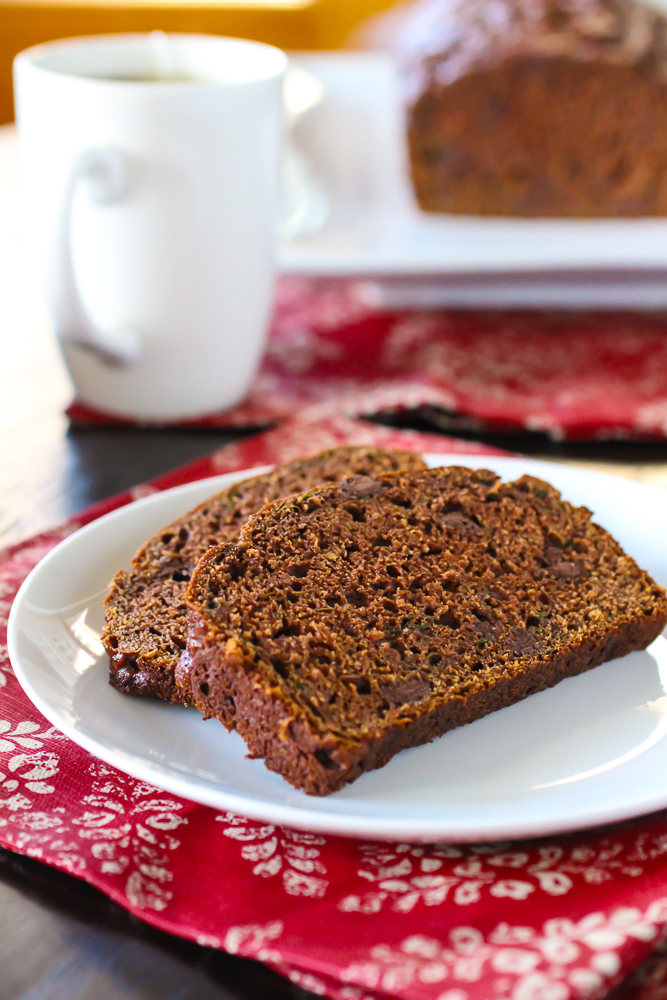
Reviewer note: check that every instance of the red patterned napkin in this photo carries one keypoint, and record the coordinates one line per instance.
(572, 375)
(554, 919)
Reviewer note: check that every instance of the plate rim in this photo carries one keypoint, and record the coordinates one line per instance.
(299, 816)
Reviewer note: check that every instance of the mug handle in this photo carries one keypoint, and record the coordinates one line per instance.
(103, 170)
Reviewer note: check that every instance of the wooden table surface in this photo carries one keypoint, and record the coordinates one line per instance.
(59, 938)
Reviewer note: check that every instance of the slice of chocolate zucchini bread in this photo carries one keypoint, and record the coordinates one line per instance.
(145, 610)
(352, 621)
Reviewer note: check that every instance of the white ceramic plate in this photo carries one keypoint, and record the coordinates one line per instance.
(592, 750)
(354, 141)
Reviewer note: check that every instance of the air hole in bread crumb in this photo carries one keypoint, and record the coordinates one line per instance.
(392, 572)
(237, 570)
(287, 630)
(184, 534)
(180, 576)
(356, 512)
(356, 598)
(166, 539)
(363, 685)
(204, 689)
(324, 759)
(532, 620)
(279, 667)
(449, 621)
(113, 642)
(298, 570)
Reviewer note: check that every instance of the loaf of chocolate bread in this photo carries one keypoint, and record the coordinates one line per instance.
(537, 107)
(145, 610)
(355, 620)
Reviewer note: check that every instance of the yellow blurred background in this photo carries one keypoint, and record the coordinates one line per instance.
(290, 24)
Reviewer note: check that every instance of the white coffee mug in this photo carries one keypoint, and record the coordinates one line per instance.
(150, 168)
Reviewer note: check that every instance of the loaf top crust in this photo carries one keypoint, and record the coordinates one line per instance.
(440, 41)
(145, 630)
(358, 607)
